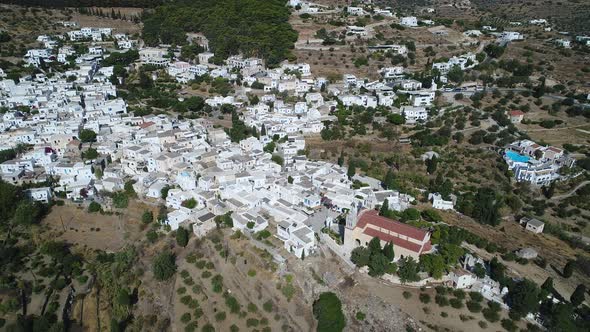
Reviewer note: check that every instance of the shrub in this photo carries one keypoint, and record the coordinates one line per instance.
(252, 322)
(476, 297)
(482, 324)
(490, 315)
(456, 303)
(205, 274)
(147, 217)
(94, 207)
(264, 234)
(360, 315)
(208, 328)
(460, 294)
(444, 314)
(327, 309)
(217, 283)
(252, 307)
(407, 295)
(442, 290)
(509, 325)
(251, 273)
(220, 316)
(189, 203)
(232, 304)
(185, 318)
(268, 306)
(191, 327)
(186, 299)
(473, 306)
(164, 266)
(441, 301)
(424, 298)
(181, 290)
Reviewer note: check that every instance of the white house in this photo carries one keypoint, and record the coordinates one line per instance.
(40, 194)
(409, 21)
(439, 203)
(532, 225)
(414, 113)
(298, 238)
(462, 279)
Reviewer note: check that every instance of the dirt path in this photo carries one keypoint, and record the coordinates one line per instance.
(571, 192)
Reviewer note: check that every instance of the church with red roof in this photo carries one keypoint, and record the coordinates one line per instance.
(407, 240)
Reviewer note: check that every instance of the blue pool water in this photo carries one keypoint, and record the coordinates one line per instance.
(517, 157)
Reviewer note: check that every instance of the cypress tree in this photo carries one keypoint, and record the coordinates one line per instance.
(351, 169)
(568, 270)
(578, 295)
(388, 251)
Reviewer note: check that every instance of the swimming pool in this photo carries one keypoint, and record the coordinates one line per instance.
(517, 157)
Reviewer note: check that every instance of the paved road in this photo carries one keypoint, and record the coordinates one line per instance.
(316, 221)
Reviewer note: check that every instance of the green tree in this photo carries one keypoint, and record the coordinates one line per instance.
(90, 153)
(568, 270)
(327, 309)
(389, 182)
(388, 251)
(479, 270)
(147, 217)
(378, 264)
(123, 297)
(351, 169)
(151, 235)
(27, 213)
(87, 136)
(145, 81)
(433, 264)
(341, 158)
(360, 256)
(431, 164)
(375, 246)
(456, 74)
(408, 270)
(384, 209)
(164, 266)
(164, 191)
(578, 295)
(548, 285)
(486, 207)
(94, 207)
(270, 147)
(182, 236)
(523, 298)
(410, 214)
(278, 159)
(396, 119)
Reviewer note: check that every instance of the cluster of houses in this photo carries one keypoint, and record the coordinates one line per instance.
(54, 48)
(203, 173)
(534, 163)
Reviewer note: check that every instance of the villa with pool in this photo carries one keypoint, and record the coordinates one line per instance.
(534, 163)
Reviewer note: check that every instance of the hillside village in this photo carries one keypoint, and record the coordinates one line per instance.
(76, 136)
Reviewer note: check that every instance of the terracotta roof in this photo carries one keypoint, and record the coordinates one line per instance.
(554, 149)
(516, 113)
(395, 240)
(372, 217)
(146, 124)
